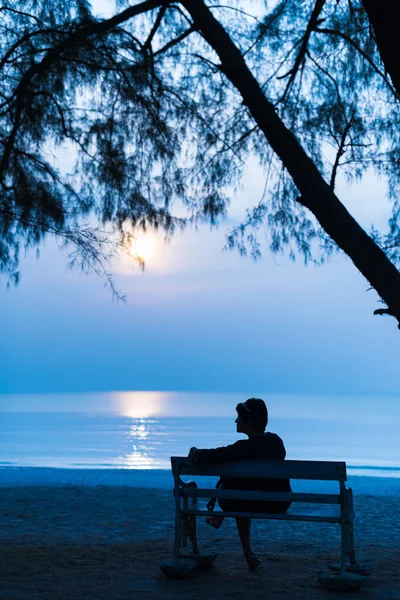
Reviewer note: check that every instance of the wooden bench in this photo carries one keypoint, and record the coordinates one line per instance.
(190, 500)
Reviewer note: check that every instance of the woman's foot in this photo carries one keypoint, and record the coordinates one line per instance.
(252, 561)
(215, 522)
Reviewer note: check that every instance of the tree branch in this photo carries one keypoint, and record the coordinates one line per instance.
(312, 24)
(157, 23)
(340, 152)
(89, 245)
(175, 41)
(385, 311)
(21, 13)
(22, 40)
(315, 193)
(384, 21)
(350, 41)
(78, 37)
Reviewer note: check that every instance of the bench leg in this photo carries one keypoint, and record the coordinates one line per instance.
(193, 533)
(345, 546)
(178, 534)
(353, 561)
(185, 524)
(346, 577)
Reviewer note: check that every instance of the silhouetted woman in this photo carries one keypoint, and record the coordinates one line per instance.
(252, 420)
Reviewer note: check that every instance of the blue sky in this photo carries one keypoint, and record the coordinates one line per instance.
(199, 319)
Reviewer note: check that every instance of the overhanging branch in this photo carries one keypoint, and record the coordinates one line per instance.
(315, 193)
(362, 53)
(77, 38)
(299, 61)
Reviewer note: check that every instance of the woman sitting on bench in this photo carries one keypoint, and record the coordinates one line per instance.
(252, 420)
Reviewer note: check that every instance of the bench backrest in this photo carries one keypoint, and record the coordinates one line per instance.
(274, 469)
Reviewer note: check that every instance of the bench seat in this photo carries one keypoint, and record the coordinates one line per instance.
(327, 514)
(299, 512)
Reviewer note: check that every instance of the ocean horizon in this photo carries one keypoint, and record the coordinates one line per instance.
(141, 430)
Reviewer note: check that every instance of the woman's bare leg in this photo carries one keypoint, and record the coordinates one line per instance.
(243, 526)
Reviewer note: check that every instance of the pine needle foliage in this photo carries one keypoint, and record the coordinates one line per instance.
(130, 119)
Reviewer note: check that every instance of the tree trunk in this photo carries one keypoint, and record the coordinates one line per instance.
(384, 16)
(316, 194)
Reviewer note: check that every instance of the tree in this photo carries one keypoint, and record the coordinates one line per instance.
(162, 104)
(383, 19)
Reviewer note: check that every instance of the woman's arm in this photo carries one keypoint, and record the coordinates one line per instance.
(211, 456)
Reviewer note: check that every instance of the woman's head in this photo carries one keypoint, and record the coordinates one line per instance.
(252, 416)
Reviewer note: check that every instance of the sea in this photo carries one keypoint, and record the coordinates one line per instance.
(127, 438)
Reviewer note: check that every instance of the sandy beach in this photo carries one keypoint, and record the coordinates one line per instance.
(82, 542)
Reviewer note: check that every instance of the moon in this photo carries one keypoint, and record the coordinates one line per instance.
(142, 248)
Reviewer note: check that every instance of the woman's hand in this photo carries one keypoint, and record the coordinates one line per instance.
(192, 450)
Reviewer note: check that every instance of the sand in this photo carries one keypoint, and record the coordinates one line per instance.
(79, 542)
